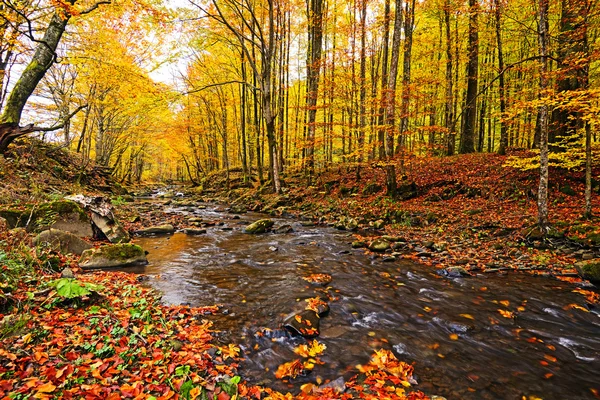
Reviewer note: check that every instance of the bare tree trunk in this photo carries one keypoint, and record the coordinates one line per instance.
(390, 101)
(543, 118)
(467, 138)
(501, 85)
(313, 68)
(449, 110)
(409, 23)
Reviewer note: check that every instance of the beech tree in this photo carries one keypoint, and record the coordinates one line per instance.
(43, 58)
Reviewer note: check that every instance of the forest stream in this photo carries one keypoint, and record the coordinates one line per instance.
(463, 347)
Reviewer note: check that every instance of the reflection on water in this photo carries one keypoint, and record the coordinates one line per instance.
(462, 345)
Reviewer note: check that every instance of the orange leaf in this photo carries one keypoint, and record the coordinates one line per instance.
(46, 388)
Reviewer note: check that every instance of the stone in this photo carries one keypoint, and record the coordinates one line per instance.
(395, 239)
(379, 245)
(305, 323)
(163, 229)
(111, 228)
(346, 224)
(61, 241)
(284, 229)
(590, 270)
(113, 255)
(339, 385)
(260, 226)
(379, 224)
(358, 244)
(237, 209)
(67, 273)
(453, 272)
(194, 232)
(102, 216)
(334, 332)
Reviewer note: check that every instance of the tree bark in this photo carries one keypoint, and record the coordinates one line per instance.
(42, 60)
(542, 200)
(467, 139)
(501, 84)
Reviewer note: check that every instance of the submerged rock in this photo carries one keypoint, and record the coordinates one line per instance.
(114, 255)
(194, 232)
(284, 229)
(157, 230)
(61, 241)
(260, 226)
(358, 244)
(305, 323)
(453, 272)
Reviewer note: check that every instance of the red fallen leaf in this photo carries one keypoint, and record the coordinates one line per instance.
(223, 396)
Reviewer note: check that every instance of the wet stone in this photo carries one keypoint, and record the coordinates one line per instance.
(379, 245)
(305, 323)
(194, 232)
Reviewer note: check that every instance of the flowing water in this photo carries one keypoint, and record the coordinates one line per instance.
(463, 348)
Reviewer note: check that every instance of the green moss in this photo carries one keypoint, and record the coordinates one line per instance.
(122, 251)
(62, 207)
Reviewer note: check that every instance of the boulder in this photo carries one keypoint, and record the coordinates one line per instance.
(61, 241)
(260, 226)
(305, 323)
(102, 216)
(157, 230)
(379, 245)
(589, 270)
(63, 214)
(66, 216)
(113, 255)
(111, 228)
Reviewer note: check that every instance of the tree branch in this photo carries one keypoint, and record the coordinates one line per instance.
(60, 126)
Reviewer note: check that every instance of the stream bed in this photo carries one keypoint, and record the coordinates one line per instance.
(452, 329)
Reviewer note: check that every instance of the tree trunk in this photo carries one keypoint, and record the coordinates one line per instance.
(449, 109)
(501, 85)
(542, 201)
(390, 101)
(467, 139)
(42, 60)
(313, 68)
(409, 23)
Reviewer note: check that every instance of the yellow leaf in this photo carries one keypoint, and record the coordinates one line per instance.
(468, 316)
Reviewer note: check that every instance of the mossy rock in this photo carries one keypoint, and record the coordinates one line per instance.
(260, 226)
(379, 245)
(112, 256)
(64, 215)
(589, 270)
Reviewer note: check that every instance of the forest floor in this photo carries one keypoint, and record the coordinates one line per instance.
(105, 335)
